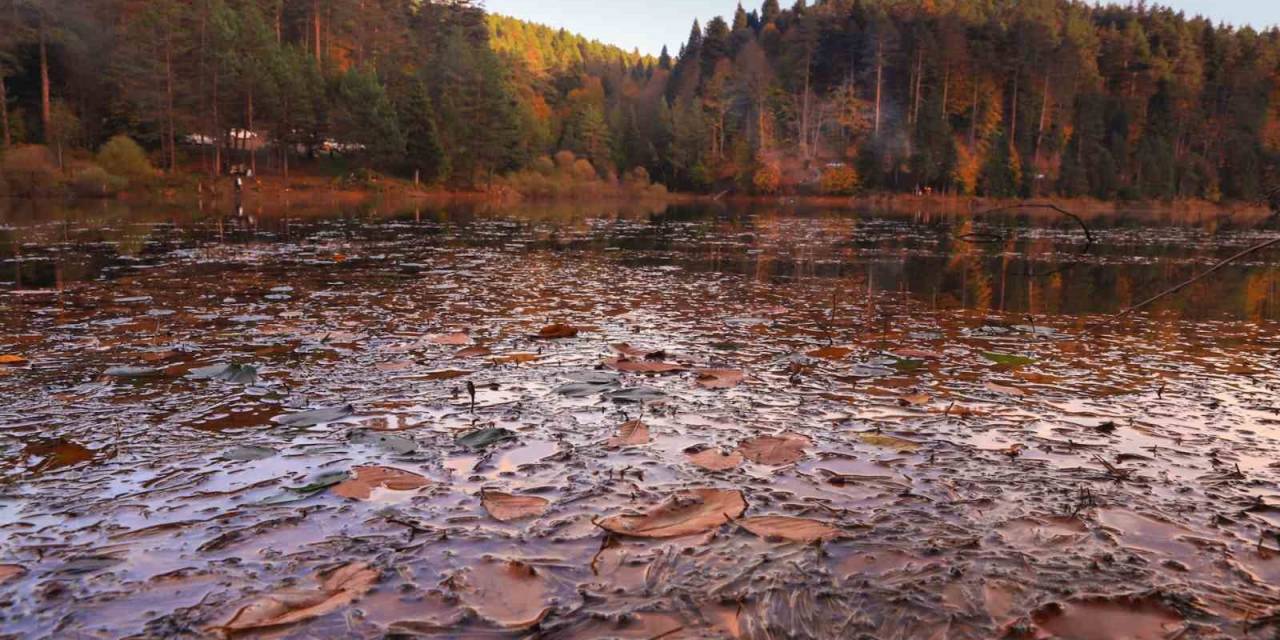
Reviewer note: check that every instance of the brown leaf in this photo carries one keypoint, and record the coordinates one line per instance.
(9, 359)
(1005, 389)
(11, 571)
(516, 358)
(506, 507)
(888, 441)
(914, 400)
(685, 513)
(831, 353)
(642, 366)
(634, 352)
(367, 479)
(472, 352)
(719, 378)
(787, 528)
(557, 331)
(508, 593)
(714, 460)
(455, 339)
(774, 450)
(630, 433)
(917, 354)
(337, 590)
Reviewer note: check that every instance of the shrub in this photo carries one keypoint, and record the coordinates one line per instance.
(544, 165)
(565, 160)
(767, 179)
(582, 170)
(29, 170)
(95, 182)
(122, 156)
(638, 176)
(839, 181)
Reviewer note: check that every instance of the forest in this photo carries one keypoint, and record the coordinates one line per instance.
(996, 98)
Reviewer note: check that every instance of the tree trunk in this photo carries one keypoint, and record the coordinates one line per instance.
(217, 128)
(918, 87)
(946, 87)
(4, 115)
(46, 111)
(279, 22)
(170, 134)
(315, 18)
(973, 116)
(1013, 121)
(1044, 116)
(879, 83)
(804, 105)
(253, 154)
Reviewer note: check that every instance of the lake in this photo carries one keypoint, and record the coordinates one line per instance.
(613, 421)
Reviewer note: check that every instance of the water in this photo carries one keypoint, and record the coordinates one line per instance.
(990, 456)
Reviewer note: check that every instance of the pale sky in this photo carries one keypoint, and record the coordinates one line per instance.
(649, 24)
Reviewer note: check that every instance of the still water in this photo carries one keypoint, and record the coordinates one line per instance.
(592, 422)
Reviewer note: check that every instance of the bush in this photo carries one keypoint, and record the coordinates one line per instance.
(95, 182)
(122, 156)
(29, 170)
(565, 160)
(582, 170)
(544, 165)
(839, 181)
(767, 179)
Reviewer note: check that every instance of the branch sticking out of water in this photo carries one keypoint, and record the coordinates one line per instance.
(1088, 233)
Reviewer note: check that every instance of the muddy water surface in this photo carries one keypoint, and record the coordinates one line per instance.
(694, 423)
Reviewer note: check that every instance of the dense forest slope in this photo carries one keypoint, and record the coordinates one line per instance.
(989, 97)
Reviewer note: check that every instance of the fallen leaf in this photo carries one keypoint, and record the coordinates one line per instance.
(685, 513)
(314, 417)
(642, 366)
(714, 460)
(367, 479)
(233, 373)
(719, 378)
(630, 433)
(556, 331)
(132, 372)
(9, 359)
(10, 571)
(452, 339)
(1007, 359)
(1005, 389)
(337, 590)
(508, 593)
(788, 528)
(55, 454)
(506, 507)
(516, 358)
(831, 353)
(634, 352)
(774, 450)
(247, 453)
(917, 354)
(888, 441)
(482, 438)
(472, 352)
(914, 400)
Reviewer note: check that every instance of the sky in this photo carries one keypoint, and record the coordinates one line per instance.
(650, 24)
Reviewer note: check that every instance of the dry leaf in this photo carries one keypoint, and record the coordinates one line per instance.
(367, 479)
(719, 378)
(337, 590)
(516, 358)
(12, 359)
(10, 571)
(888, 441)
(774, 450)
(642, 366)
(456, 339)
(914, 400)
(508, 593)
(472, 352)
(831, 353)
(685, 513)
(505, 507)
(714, 460)
(556, 331)
(787, 528)
(634, 352)
(917, 354)
(1005, 389)
(630, 433)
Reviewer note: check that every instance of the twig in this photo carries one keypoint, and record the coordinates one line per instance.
(1172, 290)
(1090, 240)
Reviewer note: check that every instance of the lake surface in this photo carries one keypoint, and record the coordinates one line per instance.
(422, 421)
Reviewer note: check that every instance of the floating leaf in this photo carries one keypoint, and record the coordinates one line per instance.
(388, 441)
(11, 571)
(10, 359)
(888, 441)
(556, 331)
(55, 454)
(1005, 389)
(472, 352)
(582, 389)
(715, 460)
(634, 352)
(636, 394)
(484, 437)
(630, 433)
(322, 481)
(367, 479)
(314, 417)
(132, 372)
(506, 507)
(719, 378)
(774, 450)
(831, 353)
(452, 339)
(337, 590)
(788, 528)
(685, 513)
(248, 453)
(234, 373)
(508, 593)
(1007, 359)
(642, 366)
(917, 354)
(914, 399)
(516, 358)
